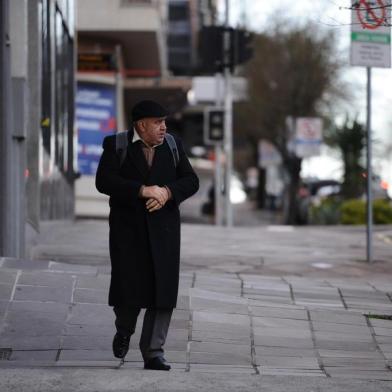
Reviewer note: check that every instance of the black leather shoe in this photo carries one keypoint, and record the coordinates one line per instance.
(120, 345)
(157, 363)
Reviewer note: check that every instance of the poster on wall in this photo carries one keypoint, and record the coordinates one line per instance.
(95, 119)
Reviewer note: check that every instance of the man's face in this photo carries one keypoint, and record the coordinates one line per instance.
(152, 130)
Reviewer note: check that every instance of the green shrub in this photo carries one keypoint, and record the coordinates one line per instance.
(326, 213)
(382, 212)
(353, 212)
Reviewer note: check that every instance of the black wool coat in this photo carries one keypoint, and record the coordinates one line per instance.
(144, 246)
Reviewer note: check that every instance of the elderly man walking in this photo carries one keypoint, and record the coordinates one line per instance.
(146, 177)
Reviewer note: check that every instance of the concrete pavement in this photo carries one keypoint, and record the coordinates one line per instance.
(268, 307)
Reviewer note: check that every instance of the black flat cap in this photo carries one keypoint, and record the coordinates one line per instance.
(147, 108)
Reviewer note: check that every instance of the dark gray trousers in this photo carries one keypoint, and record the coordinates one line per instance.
(155, 326)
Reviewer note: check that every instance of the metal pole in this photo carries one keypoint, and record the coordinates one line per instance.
(218, 185)
(7, 228)
(369, 231)
(228, 124)
(218, 159)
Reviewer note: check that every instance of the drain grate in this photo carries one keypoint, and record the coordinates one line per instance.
(5, 354)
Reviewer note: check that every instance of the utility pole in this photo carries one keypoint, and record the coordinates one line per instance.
(228, 140)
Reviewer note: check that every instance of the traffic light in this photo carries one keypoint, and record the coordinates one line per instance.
(212, 56)
(214, 125)
(243, 49)
(211, 49)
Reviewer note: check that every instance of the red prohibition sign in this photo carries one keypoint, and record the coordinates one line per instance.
(365, 10)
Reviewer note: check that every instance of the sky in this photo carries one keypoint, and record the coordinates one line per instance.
(331, 14)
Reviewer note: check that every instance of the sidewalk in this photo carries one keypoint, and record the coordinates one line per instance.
(248, 317)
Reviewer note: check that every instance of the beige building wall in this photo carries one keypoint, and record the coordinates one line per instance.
(117, 15)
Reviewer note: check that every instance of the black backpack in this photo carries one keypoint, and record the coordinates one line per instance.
(122, 144)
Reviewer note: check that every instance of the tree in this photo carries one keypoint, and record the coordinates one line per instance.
(293, 73)
(350, 139)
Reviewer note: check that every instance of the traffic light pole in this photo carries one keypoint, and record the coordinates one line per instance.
(218, 159)
(228, 140)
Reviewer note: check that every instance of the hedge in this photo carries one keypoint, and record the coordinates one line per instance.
(333, 211)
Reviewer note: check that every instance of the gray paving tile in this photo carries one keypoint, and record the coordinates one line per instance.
(87, 355)
(20, 342)
(183, 302)
(295, 314)
(25, 264)
(90, 296)
(343, 328)
(7, 276)
(283, 342)
(350, 354)
(218, 306)
(89, 330)
(221, 318)
(180, 314)
(361, 363)
(40, 307)
(385, 347)
(42, 278)
(220, 359)
(344, 337)
(262, 351)
(344, 345)
(384, 339)
(289, 362)
(381, 323)
(221, 337)
(272, 322)
(100, 282)
(383, 332)
(91, 314)
(282, 333)
(5, 291)
(223, 348)
(33, 324)
(72, 268)
(41, 293)
(359, 374)
(88, 364)
(87, 342)
(338, 317)
(269, 299)
(290, 372)
(34, 355)
(203, 368)
(3, 306)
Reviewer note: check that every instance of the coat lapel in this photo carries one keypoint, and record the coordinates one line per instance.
(136, 156)
(161, 156)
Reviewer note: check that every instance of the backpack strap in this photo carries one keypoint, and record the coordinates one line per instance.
(121, 145)
(173, 148)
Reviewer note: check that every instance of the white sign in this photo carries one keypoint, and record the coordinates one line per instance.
(268, 154)
(371, 33)
(206, 89)
(308, 136)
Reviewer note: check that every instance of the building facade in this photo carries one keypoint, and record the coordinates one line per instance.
(37, 129)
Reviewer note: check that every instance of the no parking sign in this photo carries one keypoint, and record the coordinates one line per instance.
(371, 33)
